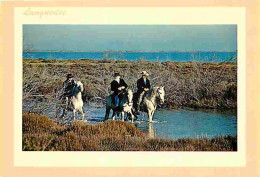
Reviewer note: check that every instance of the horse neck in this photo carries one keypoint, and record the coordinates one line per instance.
(152, 98)
(130, 101)
(77, 95)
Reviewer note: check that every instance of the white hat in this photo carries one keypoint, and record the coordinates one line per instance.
(144, 73)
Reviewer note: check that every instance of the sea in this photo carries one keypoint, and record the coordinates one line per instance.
(135, 56)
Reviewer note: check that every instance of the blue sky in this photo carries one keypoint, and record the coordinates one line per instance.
(130, 37)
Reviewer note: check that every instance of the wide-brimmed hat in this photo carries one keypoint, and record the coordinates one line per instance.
(144, 73)
(69, 75)
(116, 74)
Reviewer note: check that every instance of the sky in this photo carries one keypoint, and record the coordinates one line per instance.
(130, 37)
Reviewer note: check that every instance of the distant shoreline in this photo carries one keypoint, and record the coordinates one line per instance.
(133, 51)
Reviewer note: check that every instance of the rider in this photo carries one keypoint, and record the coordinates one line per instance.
(67, 87)
(118, 86)
(143, 86)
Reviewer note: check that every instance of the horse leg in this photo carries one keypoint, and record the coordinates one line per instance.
(153, 113)
(123, 116)
(64, 112)
(134, 114)
(132, 117)
(82, 114)
(114, 115)
(74, 114)
(150, 116)
(57, 113)
(107, 114)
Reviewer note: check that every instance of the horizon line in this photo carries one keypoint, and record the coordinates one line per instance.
(129, 51)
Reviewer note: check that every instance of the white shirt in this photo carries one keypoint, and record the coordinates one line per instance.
(118, 80)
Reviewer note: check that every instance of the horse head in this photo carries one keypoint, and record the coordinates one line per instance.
(129, 95)
(78, 87)
(161, 94)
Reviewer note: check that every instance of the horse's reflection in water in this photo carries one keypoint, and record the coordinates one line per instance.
(151, 131)
(147, 128)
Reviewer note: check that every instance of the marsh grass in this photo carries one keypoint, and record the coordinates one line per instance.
(42, 134)
(187, 84)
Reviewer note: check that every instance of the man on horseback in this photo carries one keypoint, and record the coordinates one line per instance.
(118, 86)
(143, 86)
(67, 87)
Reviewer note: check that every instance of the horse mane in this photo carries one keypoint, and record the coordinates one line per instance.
(75, 89)
(153, 92)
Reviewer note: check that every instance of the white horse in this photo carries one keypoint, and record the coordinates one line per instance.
(125, 106)
(128, 106)
(75, 102)
(150, 104)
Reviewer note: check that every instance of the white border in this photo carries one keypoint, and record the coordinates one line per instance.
(135, 16)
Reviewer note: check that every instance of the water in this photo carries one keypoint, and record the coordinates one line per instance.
(133, 56)
(172, 124)
(179, 123)
(185, 123)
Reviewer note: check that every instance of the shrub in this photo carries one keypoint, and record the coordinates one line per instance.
(43, 134)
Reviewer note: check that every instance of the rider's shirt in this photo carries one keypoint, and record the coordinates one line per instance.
(141, 85)
(118, 80)
(115, 85)
(68, 86)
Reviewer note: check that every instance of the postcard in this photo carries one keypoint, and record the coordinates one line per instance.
(127, 88)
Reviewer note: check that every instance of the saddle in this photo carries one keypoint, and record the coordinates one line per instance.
(117, 96)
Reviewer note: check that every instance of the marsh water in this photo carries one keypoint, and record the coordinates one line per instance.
(172, 124)
(180, 123)
(133, 56)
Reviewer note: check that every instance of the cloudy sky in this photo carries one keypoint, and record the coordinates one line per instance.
(130, 37)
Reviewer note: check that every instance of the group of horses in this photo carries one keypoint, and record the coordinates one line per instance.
(127, 106)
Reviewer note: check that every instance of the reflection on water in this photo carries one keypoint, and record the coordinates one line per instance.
(175, 123)
(147, 128)
(151, 132)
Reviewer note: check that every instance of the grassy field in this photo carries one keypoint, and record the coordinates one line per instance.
(42, 134)
(187, 84)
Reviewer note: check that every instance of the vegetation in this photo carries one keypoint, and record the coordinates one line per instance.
(42, 134)
(187, 84)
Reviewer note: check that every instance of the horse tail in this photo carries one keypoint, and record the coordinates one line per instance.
(108, 106)
(107, 113)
